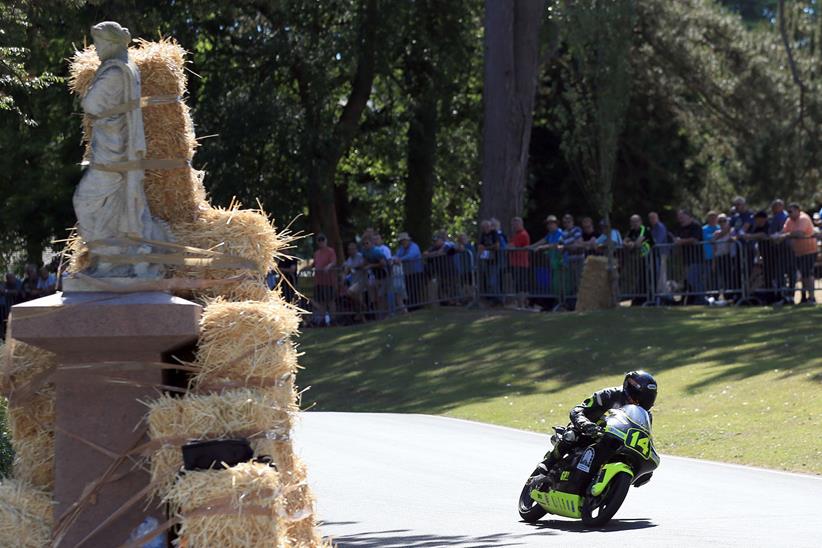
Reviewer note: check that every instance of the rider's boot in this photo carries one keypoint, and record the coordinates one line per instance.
(545, 466)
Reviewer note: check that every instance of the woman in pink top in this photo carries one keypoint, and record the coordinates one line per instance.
(799, 228)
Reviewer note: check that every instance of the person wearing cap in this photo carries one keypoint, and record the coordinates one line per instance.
(553, 238)
(799, 229)
(408, 255)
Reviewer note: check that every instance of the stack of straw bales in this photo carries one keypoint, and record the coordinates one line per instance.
(243, 383)
(594, 285)
(25, 515)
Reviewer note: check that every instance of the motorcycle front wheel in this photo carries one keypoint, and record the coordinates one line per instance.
(597, 511)
(529, 509)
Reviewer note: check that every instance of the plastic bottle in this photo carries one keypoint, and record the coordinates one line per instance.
(148, 525)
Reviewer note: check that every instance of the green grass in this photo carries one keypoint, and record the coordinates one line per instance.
(736, 385)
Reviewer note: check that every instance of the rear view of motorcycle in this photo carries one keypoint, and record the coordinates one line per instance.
(592, 481)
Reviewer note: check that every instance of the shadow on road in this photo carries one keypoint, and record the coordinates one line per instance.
(579, 527)
(406, 538)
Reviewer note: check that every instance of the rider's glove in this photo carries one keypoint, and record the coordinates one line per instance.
(590, 429)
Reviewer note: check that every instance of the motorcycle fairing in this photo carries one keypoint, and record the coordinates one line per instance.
(607, 473)
(559, 503)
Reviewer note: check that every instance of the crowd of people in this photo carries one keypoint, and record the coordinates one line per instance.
(35, 283)
(783, 241)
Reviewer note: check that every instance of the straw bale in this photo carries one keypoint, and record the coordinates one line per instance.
(300, 507)
(21, 362)
(244, 340)
(173, 195)
(225, 500)
(31, 427)
(213, 416)
(25, 515)
(594, 286)
(245, 233)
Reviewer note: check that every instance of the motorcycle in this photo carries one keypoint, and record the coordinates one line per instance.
(591, 482)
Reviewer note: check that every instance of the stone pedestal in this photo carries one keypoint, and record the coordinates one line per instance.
(93, 329)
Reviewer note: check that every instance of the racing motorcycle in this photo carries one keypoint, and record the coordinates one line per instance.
(591, 482)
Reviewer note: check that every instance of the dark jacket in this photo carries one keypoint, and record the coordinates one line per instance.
(594, 407)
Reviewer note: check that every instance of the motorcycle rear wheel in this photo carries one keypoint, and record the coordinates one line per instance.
(607, 504)
(529, 509)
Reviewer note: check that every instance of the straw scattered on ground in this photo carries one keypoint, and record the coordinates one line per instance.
(25, 515)
(237, 507)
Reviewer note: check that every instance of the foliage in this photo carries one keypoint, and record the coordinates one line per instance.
(723, 373)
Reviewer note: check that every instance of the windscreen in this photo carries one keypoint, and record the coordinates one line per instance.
(638, 415)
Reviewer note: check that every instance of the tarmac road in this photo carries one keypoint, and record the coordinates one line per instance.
(413, 481)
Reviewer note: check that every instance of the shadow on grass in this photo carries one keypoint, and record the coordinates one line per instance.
(431, 361)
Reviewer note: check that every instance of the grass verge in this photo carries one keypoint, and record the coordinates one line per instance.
(736, 385)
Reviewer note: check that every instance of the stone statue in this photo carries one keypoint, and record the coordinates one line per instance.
(110, 202)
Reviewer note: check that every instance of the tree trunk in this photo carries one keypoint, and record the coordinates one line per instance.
(421, 159)
(511, 57)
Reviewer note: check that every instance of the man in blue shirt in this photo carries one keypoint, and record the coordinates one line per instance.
(409, 256)
(708, 229)
(778, 218)
(742, 220)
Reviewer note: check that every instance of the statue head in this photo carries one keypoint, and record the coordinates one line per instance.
(110, 39)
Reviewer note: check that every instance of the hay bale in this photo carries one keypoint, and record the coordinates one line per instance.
(21, 363)
(245, 233)
(245, 340)
(173, 195)
(300, 508)
(31, 427)
(595, 286)
(25, 515)
(216, 416)
(237, 507)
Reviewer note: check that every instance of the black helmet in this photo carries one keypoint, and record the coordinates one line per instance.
(640, 387)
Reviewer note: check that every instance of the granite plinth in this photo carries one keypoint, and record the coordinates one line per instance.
(101, 340)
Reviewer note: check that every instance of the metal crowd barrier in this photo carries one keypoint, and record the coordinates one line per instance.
(746, 270)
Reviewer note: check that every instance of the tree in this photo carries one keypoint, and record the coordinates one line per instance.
(512, 30)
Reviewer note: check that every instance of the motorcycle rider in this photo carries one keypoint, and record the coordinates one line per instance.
(638, 388)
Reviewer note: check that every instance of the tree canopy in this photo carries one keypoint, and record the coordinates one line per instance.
(345, 114)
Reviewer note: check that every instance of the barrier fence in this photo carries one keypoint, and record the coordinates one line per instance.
(738, 271)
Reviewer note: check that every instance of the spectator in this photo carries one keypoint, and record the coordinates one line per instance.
(778, 217)
(376, 265)
(46, 282)
(408, 255)
(355, 278)
(708, 230)
(764, 248)
(799, 228)
(488, 248)
(571, 233)
(30, 290)
(553, 239)
(588, 240)
(548, 273)
(465, 259)
(497, 226)
(441, 266)
(380, 245)
(602, 241)
(659, 232)
(519, 261)
(724, 254)
(325, 279)
(638, 242)
(688, 240)
(742, 219)
(288, 277)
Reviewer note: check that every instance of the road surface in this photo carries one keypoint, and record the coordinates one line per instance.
(413, 481)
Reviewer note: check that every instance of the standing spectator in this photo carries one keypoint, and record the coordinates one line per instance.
(724, 255)
(488, 248)
(519, 261)
(380, 245)
(355, 278)
(661, 237)
(325, 279)
(46, 282)
(408, 255)
(742, 219)
(778, 217)
(708, 230)
(602, 241)
(637, 243)
(571, 238)
(465, 259)
(440, 265)
(764, 249)
(288, 281)
(30, 290)
(548, 275)
(799, 228)
(588, 240)
(688, 240)
(376, 265)
(497, 226)
(571, 233)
